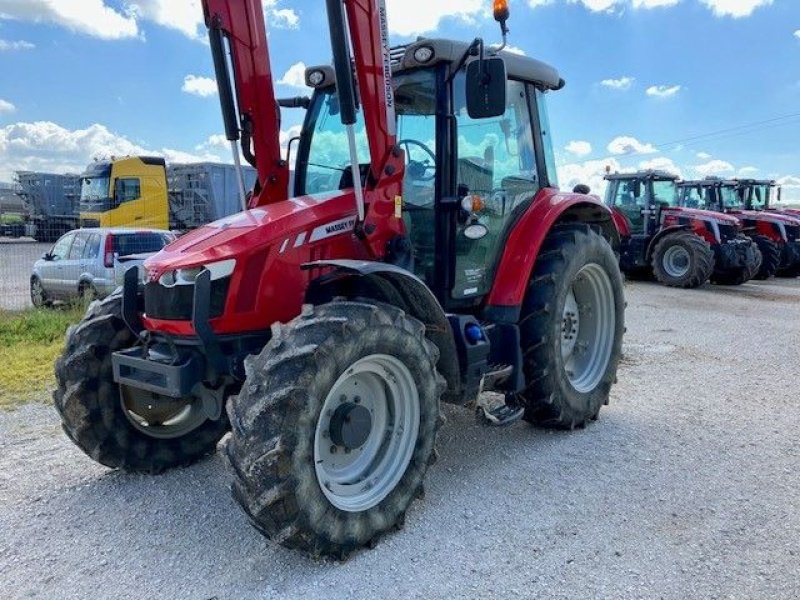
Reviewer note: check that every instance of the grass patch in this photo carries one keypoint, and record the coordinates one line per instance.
(30, 342)
(10, 219)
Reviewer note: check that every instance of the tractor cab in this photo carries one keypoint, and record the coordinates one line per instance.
(468, 176)
(637, 200)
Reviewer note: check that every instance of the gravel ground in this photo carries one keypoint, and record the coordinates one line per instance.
(687, 487)
(16, 261)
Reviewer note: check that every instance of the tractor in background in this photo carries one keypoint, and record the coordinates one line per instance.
(777, 235)
(681, 247)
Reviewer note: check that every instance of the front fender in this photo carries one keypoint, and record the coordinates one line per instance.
(549, 208)
(396, 286)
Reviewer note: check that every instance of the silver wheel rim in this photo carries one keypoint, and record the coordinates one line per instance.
(587, 328)
(37, 293)
(676, 261)
(357, 479)
(161, 417)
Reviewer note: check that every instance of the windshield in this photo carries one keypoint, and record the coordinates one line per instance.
(731, 199)
(665, 193)
(758, 197)
(94, 189)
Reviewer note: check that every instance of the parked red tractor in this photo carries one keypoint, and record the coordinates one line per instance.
(682, 247)
(777, 235)
(436, 264)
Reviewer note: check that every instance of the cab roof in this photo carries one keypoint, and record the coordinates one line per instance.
(650, 174)
(451, 51)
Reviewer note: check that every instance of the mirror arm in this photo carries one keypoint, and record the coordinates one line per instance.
(476, 44)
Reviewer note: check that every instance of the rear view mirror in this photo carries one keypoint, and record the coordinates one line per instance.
(486, 88)
(47, 256)
(780, 193)
(117, 192)
(637, 189)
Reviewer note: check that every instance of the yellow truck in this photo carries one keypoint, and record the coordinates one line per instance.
(143, 191)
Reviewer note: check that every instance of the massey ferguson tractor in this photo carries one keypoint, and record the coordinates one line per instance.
(777, 235)
(425, 256)
(682, 247)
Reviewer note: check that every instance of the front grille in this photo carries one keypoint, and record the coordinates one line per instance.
(177, 303)
(90, 223)
(793, 233)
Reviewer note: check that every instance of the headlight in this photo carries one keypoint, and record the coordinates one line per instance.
(188, 275)
(316, 78)
(423, 54)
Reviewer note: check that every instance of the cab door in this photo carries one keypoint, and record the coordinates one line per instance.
(128, 198)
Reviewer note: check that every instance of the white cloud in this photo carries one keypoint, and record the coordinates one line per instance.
(747, 171)
(47, 146)
(654, 3)
(90, 17)
(797, 34)
(590, 172)
(629, 145)
(199, 86)
(703, 155)
(661, 163)
(284, 18)
(734, 8)
(579, 148)
(714, 167)
(411, 17)
(515, 50)
(623, 83)
(185, 16)
(6, 107)
(7, 46)
(663, 91)
(295, 76)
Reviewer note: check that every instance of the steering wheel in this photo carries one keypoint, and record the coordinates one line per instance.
(417, 169)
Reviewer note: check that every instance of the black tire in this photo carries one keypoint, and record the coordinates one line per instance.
(89, 402)
(770, 257)
(700, 260)
(275, 417)
(38, 298)
(742, 274)
(550, 399)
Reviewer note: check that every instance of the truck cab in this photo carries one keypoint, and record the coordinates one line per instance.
(125, 192)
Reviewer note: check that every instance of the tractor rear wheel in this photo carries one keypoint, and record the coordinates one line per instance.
(571, 329)
(120, 427)
(334, 429)
(683, 260)
(770, 256)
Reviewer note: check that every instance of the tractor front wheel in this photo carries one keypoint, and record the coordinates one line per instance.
(334, 429)
(118, 426)
(571, 329)
(770, 257)
(682, 260)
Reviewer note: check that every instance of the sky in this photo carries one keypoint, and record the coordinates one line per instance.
(698, 87)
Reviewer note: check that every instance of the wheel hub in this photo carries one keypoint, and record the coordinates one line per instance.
(351, 425)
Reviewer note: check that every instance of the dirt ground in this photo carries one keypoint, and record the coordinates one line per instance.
(687, 487)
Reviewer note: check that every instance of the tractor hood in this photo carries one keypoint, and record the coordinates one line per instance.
(247, 232)
(770, 217)
(699, 213)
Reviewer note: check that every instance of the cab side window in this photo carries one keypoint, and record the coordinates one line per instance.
(130, 189)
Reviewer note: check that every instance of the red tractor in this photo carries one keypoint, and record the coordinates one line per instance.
(682, 247)
(777, 235)
(426, 255)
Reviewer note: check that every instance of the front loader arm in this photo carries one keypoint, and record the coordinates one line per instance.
(368, 32)
(242, 23)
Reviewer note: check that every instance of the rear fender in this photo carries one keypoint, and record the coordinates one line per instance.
(663, 233)
(550, 209)
(391, 284)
